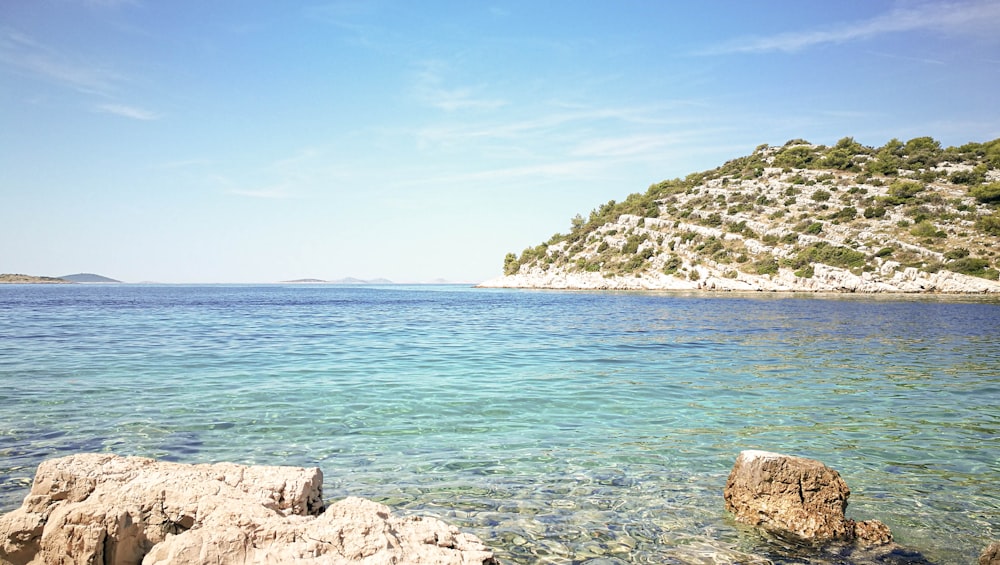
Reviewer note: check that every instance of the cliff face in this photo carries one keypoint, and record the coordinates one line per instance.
(902, 218)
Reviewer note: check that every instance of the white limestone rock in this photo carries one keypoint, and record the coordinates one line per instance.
(102, 508)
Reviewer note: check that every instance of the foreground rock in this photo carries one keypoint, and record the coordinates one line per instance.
(102, 508)
(991, 555)
(796, 495)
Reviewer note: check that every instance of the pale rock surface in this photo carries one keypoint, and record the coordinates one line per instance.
(825, 279)
(102, 508)
(796, 495)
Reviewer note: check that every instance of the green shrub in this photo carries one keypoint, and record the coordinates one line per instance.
(671, 265)
(932, 267)
(845, 214)
(814, 228)
(989, 224)
(926, 229)
(634, 263)
(821, 195)
(832, 255)
(510, 264)
(633, 242)
(902, 191)
(986, 193)
(976, 175)
(766, 266)
(973, 266)
(874, 212)
(795, 157)
(806, 272)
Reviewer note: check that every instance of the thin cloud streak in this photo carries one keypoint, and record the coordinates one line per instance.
(130, 112)
(431, 90)
(969, 18)
(269, 193)
(23, 53)
(544, 123)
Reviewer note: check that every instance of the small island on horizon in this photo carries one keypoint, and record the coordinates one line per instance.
(86, 278)
(347, 280)
(17, 278)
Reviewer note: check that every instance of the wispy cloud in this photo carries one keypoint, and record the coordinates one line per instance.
(556, 169)
(430, 89)
(922, 60)
(558, 119)
(130, 112)
(29, 57)
(24, 54)
(628, 146)
(352, 18)
(277, 192)
(976, 17)
(286, 177)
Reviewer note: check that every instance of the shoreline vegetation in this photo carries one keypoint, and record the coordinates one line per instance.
(907, 217)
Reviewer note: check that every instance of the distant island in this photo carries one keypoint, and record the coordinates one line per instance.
(9, 278)
(348, 280)
(88, 278)
(905, 217)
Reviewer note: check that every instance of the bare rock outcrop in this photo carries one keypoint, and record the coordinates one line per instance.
(102, 508)
(796, 495)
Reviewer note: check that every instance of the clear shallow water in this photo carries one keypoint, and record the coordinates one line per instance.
(559, 427)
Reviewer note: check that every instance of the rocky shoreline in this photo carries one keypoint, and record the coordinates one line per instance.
(103, 508)
(824, 280)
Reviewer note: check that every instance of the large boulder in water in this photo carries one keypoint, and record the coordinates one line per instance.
(990, 555)
(796, 495)
(102, 508)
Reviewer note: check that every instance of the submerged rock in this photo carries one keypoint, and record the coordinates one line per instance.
(102, 508)
(991, 555)
(796, 495)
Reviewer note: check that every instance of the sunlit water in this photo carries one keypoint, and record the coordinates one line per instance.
(559, 427)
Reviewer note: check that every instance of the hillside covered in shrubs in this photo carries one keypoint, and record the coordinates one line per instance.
(905, 217)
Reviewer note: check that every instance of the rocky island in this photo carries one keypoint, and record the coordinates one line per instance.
(14, 278)
(907, 217)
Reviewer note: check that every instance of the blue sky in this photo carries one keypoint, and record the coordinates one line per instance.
(243, 141)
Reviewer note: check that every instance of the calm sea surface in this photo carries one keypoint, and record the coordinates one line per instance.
(559, 427)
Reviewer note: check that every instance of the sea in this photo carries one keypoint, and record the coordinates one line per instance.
(560, 427)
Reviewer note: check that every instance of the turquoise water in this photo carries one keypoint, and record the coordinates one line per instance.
(560, 427)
